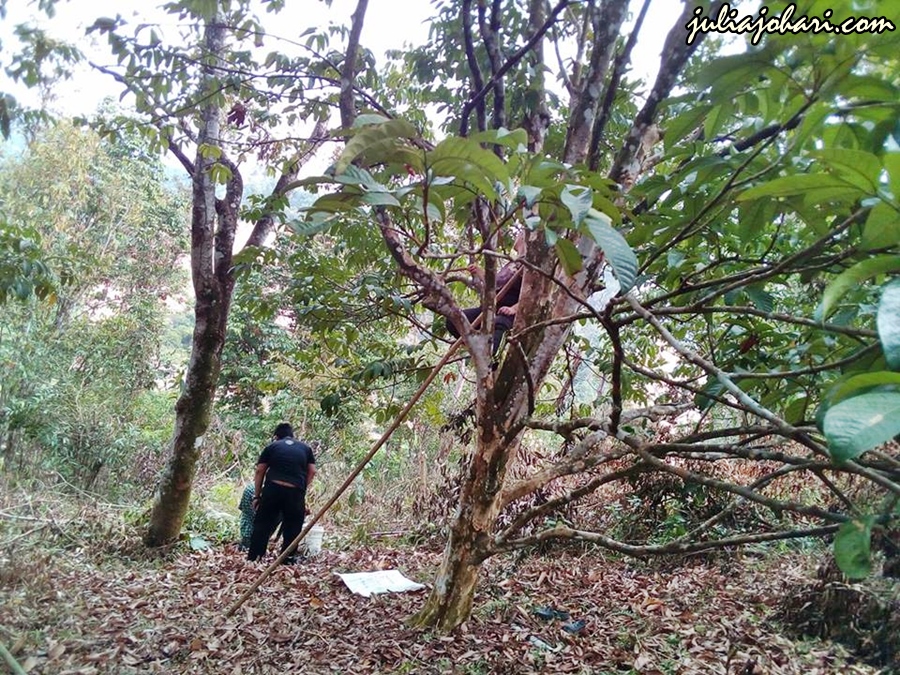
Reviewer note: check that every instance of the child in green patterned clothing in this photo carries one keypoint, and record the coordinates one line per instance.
(247, 515)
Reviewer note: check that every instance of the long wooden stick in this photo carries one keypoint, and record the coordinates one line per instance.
(365, 460)
(14, 666)
(359, 467)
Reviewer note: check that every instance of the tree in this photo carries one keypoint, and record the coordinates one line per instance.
(105, 234)
(726, 200)
(180, 114)
(770, 182)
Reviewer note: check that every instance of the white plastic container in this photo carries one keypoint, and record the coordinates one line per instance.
(313, 540)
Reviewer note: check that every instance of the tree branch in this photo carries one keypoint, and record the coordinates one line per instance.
(478, 85)
(607, 23)
(676, 54)
(564, 532)
(285, 183)
(622, 59)
(478, 97)
(348, 73)
(785, 428)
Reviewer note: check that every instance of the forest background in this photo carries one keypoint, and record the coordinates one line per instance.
(707, 359)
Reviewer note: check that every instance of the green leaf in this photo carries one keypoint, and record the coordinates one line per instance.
(568, 255)
(529, 193)
(369, 119)
(795, 412)
(510, 139)
(758, 296)
(337, 201)
(578, 200)
(219, 173)
(207, 151)
(617, 251)
(467, 161)
(354, 175)
(703, 400)
(317, 222)
(861, 423)
(852, 278)
(685, 123)
(847, 387)
(754, 217)
(852, 548)
(882, 228)
(378, 143)
(892, 164)
(814, 187)
(380, 199)
(858, 167)
(888, 322)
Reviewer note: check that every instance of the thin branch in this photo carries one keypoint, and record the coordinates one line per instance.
(606, 24)
(577, 493)
(677, 52)
(833, 365)
(647, 454)
(696, 359)
(348, 73)
(622, 59)
(564, 532)
(286, 183)
(753, 311)
(769, 131)
(490, 32)
(475, 71)
(612, 329)
(478, 98)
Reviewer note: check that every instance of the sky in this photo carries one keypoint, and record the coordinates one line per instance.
(385, 28)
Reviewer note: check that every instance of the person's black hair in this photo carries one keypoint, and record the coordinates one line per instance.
(284, 430)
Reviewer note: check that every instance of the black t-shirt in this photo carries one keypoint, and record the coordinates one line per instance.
(288, 460)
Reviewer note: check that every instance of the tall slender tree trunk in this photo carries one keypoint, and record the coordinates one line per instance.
(211, 253)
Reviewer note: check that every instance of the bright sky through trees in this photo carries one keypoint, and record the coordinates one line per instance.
(386, 28)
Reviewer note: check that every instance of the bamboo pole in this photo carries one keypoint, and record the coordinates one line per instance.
(14, 666)
(359, 467)
(365, 460)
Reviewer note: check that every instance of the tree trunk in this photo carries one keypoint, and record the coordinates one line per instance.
(450, 601)
(211, 255)
(192, 414)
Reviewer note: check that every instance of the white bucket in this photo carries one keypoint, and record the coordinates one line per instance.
(313, 540)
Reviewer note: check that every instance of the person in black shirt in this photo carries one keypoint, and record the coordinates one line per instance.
(287, 466)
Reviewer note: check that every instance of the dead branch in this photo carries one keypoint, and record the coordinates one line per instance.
(565, 532)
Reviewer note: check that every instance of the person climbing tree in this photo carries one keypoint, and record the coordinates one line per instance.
(507, 301)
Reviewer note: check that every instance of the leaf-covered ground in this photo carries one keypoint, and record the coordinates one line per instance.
(72, 603)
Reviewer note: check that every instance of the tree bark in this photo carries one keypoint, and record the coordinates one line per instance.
(450, 601)
(347, 103)
(213, 283)
(505, 398)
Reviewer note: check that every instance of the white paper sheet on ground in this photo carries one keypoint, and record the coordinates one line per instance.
(383, 581)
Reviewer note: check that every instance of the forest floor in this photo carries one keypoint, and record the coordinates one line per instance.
(76, 597)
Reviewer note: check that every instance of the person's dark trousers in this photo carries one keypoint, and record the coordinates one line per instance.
(277, 501)
(502, 323)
